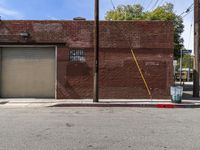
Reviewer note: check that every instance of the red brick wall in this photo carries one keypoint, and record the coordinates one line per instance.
(119, 77)
(79, 34)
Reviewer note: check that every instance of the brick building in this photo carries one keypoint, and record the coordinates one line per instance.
(54, 59)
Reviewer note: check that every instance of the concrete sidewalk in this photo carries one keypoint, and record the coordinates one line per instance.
(155, 103)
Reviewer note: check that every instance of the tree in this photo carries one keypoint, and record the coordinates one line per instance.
(164, 13)
(187, 61)
(128, 12)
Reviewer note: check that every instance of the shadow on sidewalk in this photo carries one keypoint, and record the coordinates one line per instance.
(189, 96)
(188, 93)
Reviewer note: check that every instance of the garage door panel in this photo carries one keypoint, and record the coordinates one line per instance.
(28, 72)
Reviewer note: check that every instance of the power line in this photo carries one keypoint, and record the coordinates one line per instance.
(192, 20)
(134, 57)
(188, 10)
(149, 4)
(190, 35)
(161, 2)
(112, 3)
(154, 6)
(142, 3)
(135, 2)
(187, 13)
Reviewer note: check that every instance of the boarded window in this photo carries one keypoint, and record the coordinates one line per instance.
(77, 55)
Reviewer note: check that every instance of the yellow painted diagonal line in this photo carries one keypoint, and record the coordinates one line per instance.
(138, 66)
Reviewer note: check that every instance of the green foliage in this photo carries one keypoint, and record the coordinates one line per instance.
(187, 61)
(163, 13)
(128, 12)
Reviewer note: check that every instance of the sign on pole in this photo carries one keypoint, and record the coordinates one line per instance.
(175, 63)
(189, 51)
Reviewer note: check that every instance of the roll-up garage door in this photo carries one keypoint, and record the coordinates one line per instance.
(28, 72)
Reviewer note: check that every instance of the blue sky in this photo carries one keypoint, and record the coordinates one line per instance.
(68, 9)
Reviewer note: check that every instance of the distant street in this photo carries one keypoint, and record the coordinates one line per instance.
(99, 129)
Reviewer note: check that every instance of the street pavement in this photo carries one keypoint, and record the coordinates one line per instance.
(99, 129)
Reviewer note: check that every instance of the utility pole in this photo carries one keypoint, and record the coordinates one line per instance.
(96, 53)
(196, 48)
(181, 66)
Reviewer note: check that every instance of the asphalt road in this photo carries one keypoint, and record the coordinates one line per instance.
(99, 129)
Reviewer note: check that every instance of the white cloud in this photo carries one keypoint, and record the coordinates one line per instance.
(9, 13)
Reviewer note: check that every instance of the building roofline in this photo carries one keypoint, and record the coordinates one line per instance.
(84, 21)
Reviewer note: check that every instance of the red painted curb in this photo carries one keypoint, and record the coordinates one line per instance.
(165, 105)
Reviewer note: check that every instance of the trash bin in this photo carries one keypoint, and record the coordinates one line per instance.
(176, 94)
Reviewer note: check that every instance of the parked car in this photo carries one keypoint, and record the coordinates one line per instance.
(186, 75)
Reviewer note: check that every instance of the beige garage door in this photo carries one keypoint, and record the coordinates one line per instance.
(28, 73)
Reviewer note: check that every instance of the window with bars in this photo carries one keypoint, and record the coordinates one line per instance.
(77, 55)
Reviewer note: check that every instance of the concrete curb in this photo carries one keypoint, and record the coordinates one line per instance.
(157, 103)
(128, 105)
